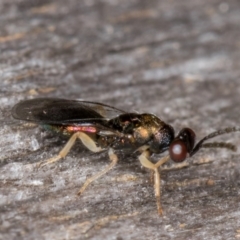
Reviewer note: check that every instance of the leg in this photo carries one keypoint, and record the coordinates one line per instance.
(86, 140)
(157, 188)
(114, 159)
(176, 166)
(148, 164)
(185, 164)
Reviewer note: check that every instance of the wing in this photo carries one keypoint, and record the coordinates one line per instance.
(63, 111)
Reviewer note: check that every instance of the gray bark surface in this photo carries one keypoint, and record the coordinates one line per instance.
(179, 60)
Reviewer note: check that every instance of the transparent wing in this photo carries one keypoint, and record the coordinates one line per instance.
(63, 111)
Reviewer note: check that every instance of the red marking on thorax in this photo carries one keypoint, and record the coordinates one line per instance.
(81, 129)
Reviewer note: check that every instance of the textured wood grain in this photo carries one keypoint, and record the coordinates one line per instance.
(177, 59)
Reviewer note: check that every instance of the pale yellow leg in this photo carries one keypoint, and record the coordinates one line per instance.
(186, 164)
(114, 159)
(143, 158)
(157, 187)
(176, 166)
(86, 140)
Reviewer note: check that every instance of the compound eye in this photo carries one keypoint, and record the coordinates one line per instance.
(178, 151)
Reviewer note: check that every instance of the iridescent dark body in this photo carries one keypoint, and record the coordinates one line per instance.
(126, 130)
(142, 129)
(102, 127)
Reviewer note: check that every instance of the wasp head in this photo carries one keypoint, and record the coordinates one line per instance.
(182, 145)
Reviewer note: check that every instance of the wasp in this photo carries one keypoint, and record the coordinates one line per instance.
(101, 127)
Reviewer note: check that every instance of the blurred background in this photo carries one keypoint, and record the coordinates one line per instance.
(179, 60)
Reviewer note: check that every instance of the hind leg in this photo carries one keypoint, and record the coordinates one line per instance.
(86, 140)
